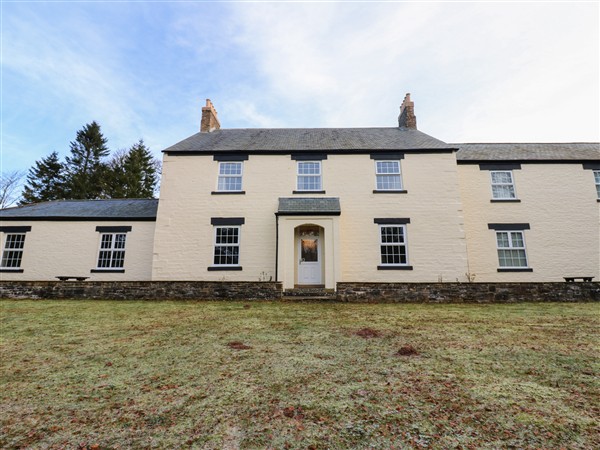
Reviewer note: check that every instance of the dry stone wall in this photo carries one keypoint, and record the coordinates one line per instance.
(467, 292)
(346, 292)
(141, 290)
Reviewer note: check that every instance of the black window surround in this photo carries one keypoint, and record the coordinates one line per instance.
(309, 156)
(506, 200)
(524, 269)
(23, 229)
(16, 229)
(233, 157)
(390, 191)
(218, 221)
(107, 271)
(228, 193)
(115, 229)
(500, 166)
(508, 226)
(394, 267)
(391, 221)
(220, 268)
(387, 156)
(591, 166)
(308, 192)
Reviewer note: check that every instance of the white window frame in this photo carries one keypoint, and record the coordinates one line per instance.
(511, 246)
(388, 174)
(597, 181)
(217, 244)
(7, 250)
(393, 244)
(228, 176)
(113, 250)
(511, 184)
(318, 175)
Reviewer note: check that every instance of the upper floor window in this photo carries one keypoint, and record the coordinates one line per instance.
(388, 175)
(12, 254)
(112, 251)
(597, 180)
(230, 176)
(309, 176)
(511, 249)
(503, 186)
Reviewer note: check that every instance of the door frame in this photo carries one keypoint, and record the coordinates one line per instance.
(319, 262)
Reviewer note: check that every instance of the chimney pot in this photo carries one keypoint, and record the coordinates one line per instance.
(210, 121)
(407, 118)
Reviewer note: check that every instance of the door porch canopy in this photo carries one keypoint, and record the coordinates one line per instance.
(296, 212)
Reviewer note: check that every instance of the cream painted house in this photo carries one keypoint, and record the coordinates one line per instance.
(100, 240)
(315, 207)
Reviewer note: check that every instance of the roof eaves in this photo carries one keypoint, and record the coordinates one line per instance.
(78, 218)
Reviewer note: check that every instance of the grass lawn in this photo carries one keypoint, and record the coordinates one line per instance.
(107, 374)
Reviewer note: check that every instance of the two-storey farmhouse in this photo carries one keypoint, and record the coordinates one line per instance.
(314, 207)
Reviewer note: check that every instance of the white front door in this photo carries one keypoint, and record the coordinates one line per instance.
(309, 251)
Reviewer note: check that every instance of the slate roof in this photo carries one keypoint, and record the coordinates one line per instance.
(528, 152)
(309, 205)
(114, 209)
(307, 139)
(372, 139)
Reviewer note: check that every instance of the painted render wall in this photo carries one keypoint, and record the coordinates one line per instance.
(557, 200)
(60, 248)
(184, 237)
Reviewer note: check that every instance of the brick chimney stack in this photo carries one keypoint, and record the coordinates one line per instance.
(210, 121)
(407, 118)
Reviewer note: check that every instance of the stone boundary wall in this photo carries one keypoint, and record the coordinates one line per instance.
(346, 292)
(141, 290)
(467, 292)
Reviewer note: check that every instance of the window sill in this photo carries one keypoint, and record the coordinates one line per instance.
(308, 192)
(219, 268)
(107, 271)
(394, 267)
(389, 191)
(505, 200)
(8, 270)
(516, 269)
(228, 193)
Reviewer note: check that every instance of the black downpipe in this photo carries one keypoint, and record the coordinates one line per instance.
(276, 246)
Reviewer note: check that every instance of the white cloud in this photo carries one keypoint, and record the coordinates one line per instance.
(76, 76)
(476, 71)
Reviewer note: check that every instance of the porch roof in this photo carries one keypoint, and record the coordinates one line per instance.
(309, 206)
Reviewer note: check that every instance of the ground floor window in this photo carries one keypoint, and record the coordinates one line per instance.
(12, 254)
(393, 245)
(227, 246)
(597, 180)
(511, 249)
(112, 251)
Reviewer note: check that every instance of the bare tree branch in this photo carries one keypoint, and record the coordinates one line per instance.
(11, 184)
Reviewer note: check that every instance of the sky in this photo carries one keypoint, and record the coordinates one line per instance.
(477, 72)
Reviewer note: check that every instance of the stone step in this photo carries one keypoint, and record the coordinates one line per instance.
(313, 298)
(310, 292)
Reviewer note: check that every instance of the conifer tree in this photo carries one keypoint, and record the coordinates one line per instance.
(45, 181)
(133, 174)
(140, 171)
(85, 168)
